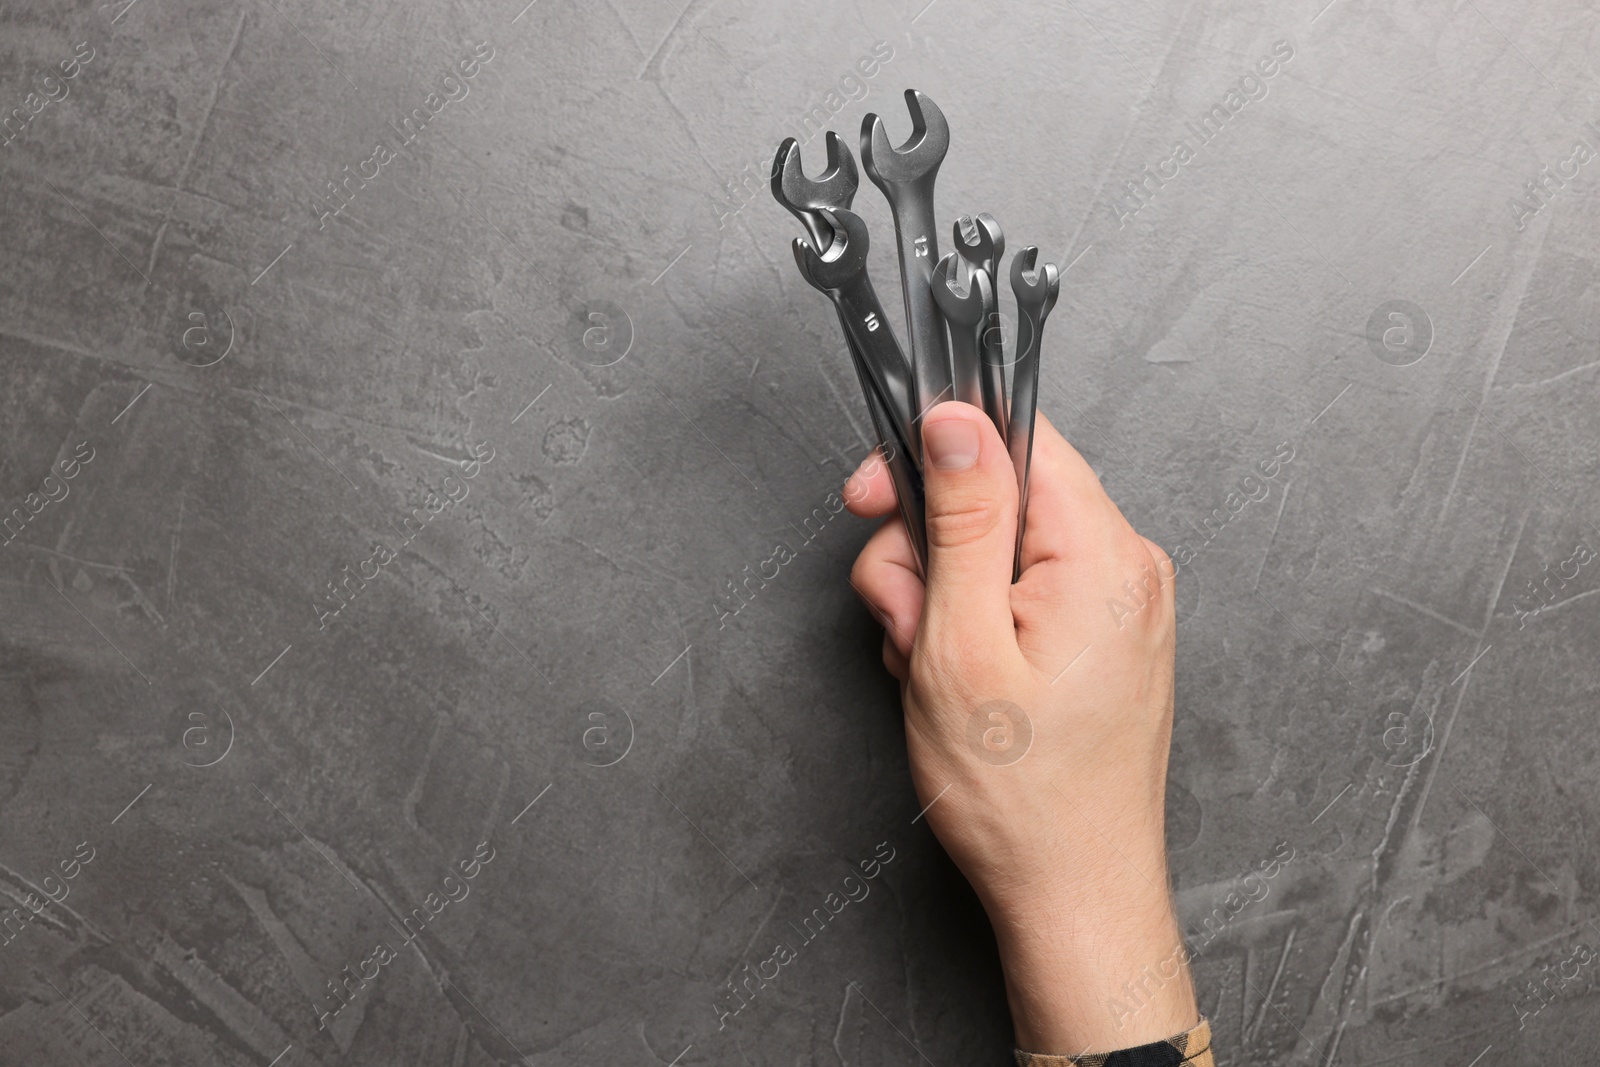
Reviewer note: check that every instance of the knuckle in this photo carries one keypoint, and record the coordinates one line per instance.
(1131, 550)
(1158, 577)
(1145, 598)
(1162, 561)
(962, 522)
(1161, 616)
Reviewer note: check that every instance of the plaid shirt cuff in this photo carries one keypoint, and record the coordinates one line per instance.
(1191, 1048)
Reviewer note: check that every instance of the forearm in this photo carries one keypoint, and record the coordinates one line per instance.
(1074, 879)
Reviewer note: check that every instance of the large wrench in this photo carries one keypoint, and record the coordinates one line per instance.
(966, 315)
(905, 175)
(841, 273)
(807, 199)
(1035, 298)
(981, 244)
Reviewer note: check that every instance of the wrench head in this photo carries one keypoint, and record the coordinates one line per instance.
(1036, 293)
(919, 157)
(961, 309)
(842, 261)
(979, 239)
(835, 189)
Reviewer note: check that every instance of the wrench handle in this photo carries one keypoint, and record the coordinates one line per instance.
(861, 313)
(916, 234)
(903, 473)
(1024, 407)
(992, 346)
(966, 364)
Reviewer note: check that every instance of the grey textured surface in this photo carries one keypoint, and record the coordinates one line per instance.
(296, 790)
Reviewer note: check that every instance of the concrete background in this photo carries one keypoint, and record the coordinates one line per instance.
(266, 790)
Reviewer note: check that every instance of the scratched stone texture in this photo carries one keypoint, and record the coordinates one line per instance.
(542, 387)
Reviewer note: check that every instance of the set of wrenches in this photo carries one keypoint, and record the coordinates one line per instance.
(957, 342)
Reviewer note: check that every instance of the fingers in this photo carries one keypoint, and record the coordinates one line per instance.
(972, 516)
(885, 576)
(1065, 497)
(869, 492)
(972, 522)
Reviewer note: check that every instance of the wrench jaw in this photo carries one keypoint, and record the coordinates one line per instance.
(980, 241)
(1036, 291)
(1036, 286)
(1053, 290)
(845, 258)
(919, 157)
(966, 315)
(963, 310)
(1022, 266)
(804, 196)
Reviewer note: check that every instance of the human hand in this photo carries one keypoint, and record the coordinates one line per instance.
(1038, 718)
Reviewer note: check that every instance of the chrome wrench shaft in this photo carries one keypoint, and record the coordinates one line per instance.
(1035, 298)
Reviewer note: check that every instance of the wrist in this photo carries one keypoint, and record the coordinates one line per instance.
(1082, 977)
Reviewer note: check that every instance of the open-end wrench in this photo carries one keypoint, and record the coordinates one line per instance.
(841, 272)
(966, 314)
(1035, 298)
(807, 199)
(906, 176)
(981, 244)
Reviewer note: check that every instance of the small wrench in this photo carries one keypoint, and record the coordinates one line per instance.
(1035, 298)
(967, 315)
(906, 175)
(983, 251)
(807, 199)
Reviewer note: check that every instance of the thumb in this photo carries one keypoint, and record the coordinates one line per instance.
(972, 520)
